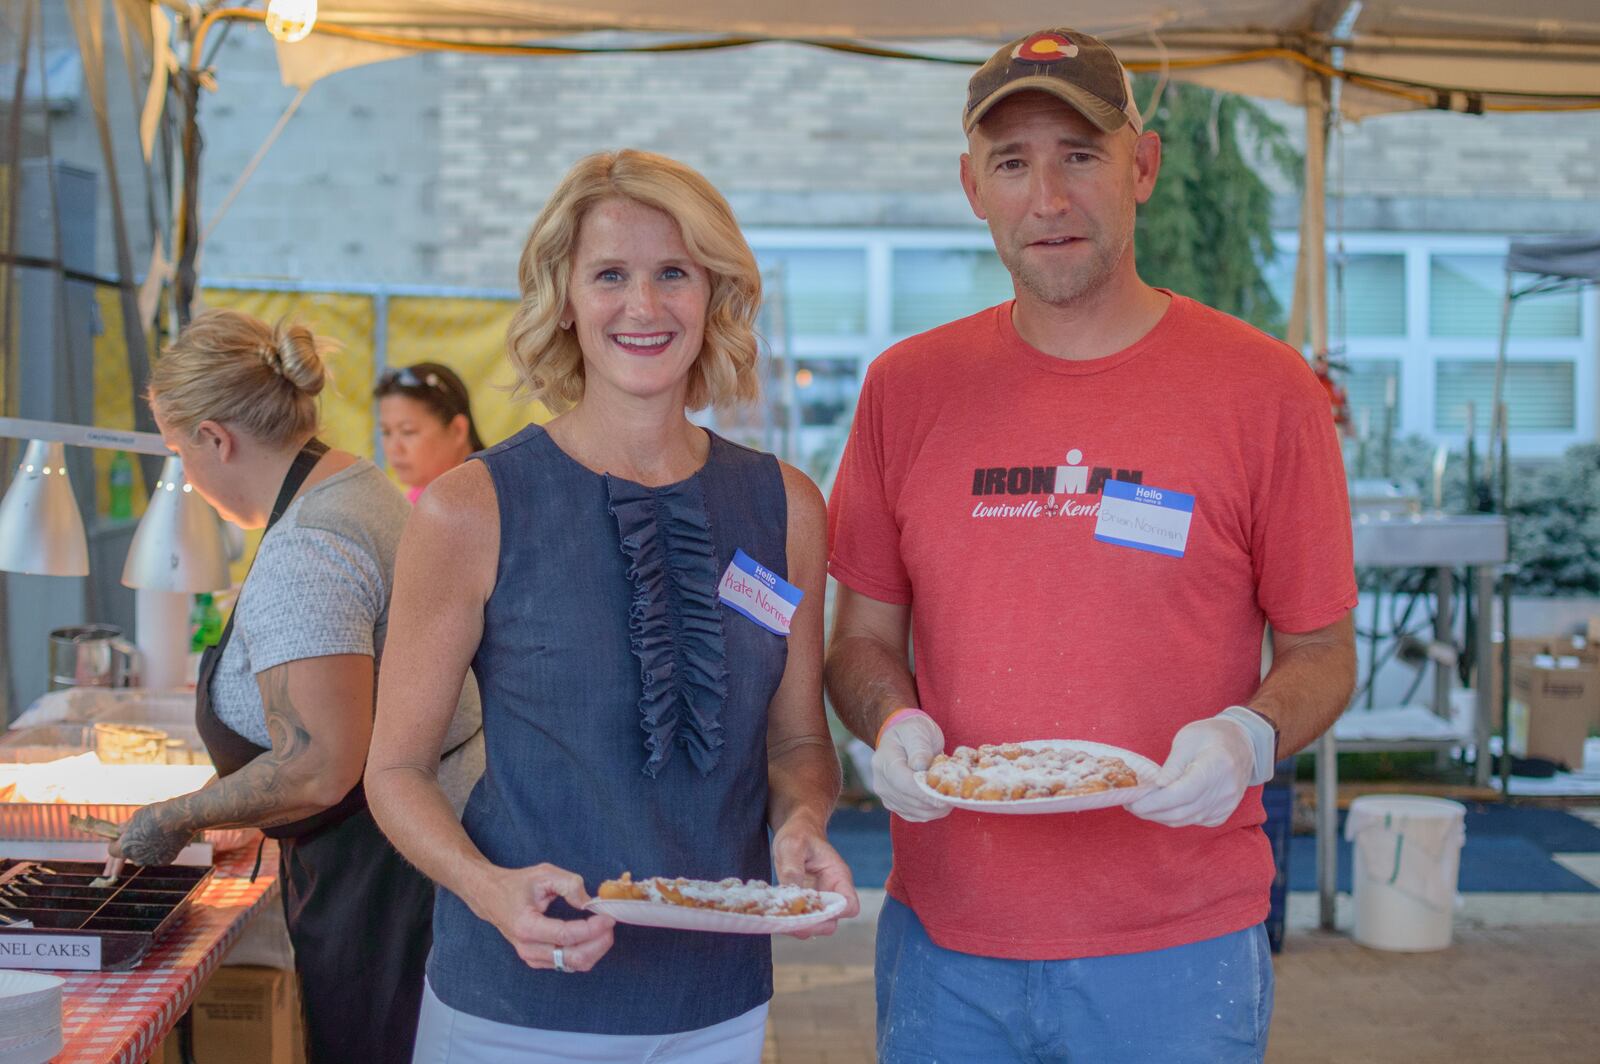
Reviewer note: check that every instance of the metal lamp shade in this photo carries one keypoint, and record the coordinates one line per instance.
(178, 545)
(41, 531)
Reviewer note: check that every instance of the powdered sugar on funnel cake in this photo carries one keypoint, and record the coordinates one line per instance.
(1038, 776)
(740, 906)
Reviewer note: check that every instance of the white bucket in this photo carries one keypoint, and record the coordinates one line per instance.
(1407, 854)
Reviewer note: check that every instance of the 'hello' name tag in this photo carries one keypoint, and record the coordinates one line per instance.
(1144, 518)
(759, 593)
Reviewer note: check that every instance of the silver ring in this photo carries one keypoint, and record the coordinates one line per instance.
(560, 960)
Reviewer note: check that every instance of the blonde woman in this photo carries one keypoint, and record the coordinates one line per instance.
(634, 721)
(285, 701)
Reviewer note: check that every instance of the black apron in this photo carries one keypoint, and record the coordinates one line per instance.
(360, 917)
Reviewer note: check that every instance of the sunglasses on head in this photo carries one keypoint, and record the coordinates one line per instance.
(409, 378)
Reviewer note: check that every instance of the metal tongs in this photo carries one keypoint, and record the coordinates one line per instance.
(13, 888)
(107, 830)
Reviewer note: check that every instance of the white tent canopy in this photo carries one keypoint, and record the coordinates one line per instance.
(1383, 55)
(1463, 53)
(1386, 55)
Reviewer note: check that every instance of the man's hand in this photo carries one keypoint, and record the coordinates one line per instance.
(1205, 776)
(904, 748)
(148, 840)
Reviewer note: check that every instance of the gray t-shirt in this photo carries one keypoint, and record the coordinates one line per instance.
(320, 586)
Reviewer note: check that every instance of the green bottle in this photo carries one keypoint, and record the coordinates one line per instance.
(120, 478)
(205, 620)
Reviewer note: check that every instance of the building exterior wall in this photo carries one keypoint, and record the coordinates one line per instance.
(428, 172)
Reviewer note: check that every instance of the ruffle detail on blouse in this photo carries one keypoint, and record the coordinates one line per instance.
(675, 623)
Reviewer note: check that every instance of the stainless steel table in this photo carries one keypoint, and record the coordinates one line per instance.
(1412, 541)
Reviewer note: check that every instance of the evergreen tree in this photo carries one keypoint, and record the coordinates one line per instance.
(1555, 524)
(1207, 230)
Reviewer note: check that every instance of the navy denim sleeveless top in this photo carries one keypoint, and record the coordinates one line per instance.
(625, 722)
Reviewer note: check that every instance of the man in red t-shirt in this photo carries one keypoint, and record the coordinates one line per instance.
(1088, 504)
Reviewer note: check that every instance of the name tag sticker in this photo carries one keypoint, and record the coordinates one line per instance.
(759, 593)
(1144, 518)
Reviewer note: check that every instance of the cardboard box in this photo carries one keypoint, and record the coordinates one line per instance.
(166, 1050)
(1525, 649)
(1552, 711)
(248, 1015)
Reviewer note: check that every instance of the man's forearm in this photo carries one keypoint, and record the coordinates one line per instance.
(867, 681)
(1304, 692)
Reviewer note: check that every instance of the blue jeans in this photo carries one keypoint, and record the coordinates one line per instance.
(1206, 1002)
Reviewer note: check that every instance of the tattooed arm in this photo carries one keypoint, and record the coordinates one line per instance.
(319, 715)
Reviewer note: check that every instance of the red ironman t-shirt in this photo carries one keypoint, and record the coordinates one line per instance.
(970, 489)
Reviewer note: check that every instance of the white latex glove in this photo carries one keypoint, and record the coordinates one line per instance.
(1205, 775)
(906, 747)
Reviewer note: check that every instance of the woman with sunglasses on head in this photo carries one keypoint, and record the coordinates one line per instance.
(285, 701)
(425, 417)
(635, 720)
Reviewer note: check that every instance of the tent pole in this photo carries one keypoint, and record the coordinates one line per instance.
(1497, 428)
(186, 219)
(1506, 578)
(1308, 314)
(1309, 322)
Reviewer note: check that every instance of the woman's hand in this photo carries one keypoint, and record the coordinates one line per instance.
(802, 856)
(516, 902)
(152, 837)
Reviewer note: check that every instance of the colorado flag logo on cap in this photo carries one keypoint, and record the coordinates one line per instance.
(1045, 47)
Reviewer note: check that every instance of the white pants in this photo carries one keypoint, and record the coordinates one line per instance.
(446, 1036)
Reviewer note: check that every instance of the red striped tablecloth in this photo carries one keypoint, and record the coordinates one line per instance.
(119, 1017)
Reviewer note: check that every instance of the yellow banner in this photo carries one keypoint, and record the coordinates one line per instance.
(469, 336)
(347, 420)
(113, 397)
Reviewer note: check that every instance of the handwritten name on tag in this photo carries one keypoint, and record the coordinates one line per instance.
(759, 593)
(78, 953)
(1144, 518)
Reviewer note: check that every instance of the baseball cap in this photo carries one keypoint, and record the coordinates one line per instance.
(1076, 68)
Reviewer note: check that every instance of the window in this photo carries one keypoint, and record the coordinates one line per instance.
(1367, 384)
(1539, 395)
(825, 389)
(1374, 293)
(1374, 296)
(824, 290)
(935, 286)
(1466, 292)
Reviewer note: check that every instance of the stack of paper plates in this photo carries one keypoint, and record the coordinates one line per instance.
(30, 1017)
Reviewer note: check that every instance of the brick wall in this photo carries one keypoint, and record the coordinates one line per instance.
(430, 170)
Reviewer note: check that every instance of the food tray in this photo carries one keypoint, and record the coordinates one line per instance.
(1142, 767)
(685, 918)
(50, 822)
(119, 923)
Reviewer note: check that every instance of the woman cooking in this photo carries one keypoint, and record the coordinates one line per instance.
(633, 721)
(285, 700)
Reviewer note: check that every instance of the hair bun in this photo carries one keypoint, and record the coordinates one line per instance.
(295, 357)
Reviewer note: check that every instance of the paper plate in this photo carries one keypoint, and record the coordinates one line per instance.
(37, 1050)
(683, 918)
(19, 989)
(1142, 767)
(30, 1017)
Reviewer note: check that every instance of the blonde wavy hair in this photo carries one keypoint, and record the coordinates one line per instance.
(548, 359)
(229, 367)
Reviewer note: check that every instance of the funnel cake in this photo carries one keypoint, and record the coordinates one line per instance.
(751, 898)
(1011, 772)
